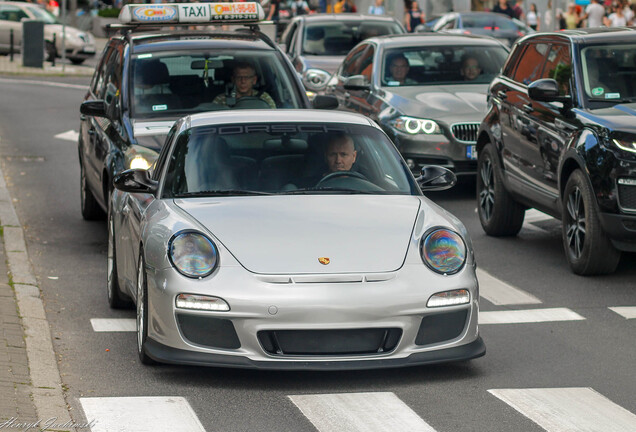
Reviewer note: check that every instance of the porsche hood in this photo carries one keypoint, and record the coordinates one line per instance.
(290, 234)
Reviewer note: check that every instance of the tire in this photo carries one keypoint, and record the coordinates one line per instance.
(77, 61)
(90, 207)
(116, 298)
(587, 248)
(142, 313)
(500, 215)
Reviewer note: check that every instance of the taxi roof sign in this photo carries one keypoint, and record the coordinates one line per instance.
(191, 13)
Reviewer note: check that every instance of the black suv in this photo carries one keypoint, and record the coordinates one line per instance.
(560, 136)
(145, 80)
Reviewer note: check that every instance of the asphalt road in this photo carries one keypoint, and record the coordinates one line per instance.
(69, 256)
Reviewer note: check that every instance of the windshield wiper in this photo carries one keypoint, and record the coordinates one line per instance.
(618, 100)
(220, 192)
(322, 189)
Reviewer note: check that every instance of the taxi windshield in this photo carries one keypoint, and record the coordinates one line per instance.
(337, 38)
(609, 73)
(169, 84)
(436, 65)
(285, 159)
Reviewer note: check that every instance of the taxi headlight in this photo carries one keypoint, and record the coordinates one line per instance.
(138, 157)
(625, 144)
(315, 79)
(192, 254)
(443, 251)
(414, 126)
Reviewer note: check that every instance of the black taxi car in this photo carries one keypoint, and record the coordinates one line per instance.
(560, 136)
(147, 79)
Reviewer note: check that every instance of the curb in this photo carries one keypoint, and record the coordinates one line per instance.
(47, 393)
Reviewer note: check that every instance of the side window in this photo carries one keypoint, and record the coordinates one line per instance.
(531, 63)
(351, 65)
(510, 65)
(100, 72)
(558, 66)
(288, 35)
(449, 25)
(12, 13)
(366, 62)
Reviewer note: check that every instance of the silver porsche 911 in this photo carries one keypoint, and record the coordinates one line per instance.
(290, 239)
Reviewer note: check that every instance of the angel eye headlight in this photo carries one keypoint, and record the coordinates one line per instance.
(625, 144)
(413, 126)
(443, 251)
(193, 254)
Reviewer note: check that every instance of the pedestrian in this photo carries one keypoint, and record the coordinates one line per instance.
(518, 9)
(533, 18)
(617, 18)
(299, 7)
(344, 6)
(628, 12)
(571, 17)
(414, 17)
(378, 8)
(324, 6)
(594, 14)
(503, 7)
(548, 20)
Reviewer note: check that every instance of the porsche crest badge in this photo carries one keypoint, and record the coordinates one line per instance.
(324, 260)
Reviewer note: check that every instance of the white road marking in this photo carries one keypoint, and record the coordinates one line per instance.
(359, 412)
(44, 83)
(498, 292)
(114, 324)
(528, 316)
(534, 215)
(140, 414)
(628, 312)
(569, 409)
(70, 135)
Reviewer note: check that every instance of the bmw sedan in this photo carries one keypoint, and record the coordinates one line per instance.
(427, 91)
(290, 239)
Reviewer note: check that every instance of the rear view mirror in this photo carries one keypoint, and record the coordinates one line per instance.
(135, 181)
(436, 178)
(357, 82)
(95, 108)
(546, 90)
(200, 64)
(325, 102)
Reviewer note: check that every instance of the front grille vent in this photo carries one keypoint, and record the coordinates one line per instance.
(627, 196)
(465, 132)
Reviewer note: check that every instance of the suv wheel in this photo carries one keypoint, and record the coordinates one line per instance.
(587, 248)
(499, 214)
(90, 207)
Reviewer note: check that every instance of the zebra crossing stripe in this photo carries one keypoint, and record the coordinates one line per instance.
(568, 409)
(528, 316)
(114, 324)
(498, 292)
(359, 412)
(140, 414)
(628, 312)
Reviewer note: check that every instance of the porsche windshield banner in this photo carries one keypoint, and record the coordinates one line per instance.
(192, 13)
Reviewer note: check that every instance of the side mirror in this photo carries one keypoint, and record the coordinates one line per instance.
(436, 178)
(357, 82)
(546, 90)
(135, 181)
(325, 102)
(95, 108)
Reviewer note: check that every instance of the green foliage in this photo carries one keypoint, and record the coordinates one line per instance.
(109, 13)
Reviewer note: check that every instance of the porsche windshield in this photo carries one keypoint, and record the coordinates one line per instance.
(436, 65)
(176, 84)
(285, 158)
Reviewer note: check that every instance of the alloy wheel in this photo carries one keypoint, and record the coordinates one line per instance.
(141, 309)
(575, 224)
(110, 260)
(487, 192)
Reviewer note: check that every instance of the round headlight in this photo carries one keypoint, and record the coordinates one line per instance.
(443, 251)
(192, 254)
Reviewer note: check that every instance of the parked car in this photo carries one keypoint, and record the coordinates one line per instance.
(79, 45)
(253, 242)
(432, 114)
(560, 136)
(146, 80)
(317, 43)
(496, 25)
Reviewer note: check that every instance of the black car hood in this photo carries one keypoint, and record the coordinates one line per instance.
(452, 103)
(621, 117)
(327, 63)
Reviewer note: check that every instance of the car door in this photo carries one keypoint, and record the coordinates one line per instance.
(549, 126)
(11, 20)
(518, 150)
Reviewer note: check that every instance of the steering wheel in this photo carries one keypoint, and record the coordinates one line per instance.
(251, 102)
(338, 174)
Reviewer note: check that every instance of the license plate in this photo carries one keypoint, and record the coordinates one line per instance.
(471, 152)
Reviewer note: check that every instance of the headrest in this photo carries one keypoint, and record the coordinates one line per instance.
(152, 73)
(315, 33)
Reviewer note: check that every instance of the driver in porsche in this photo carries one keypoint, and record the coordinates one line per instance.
(244, 78)
(340, 153)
